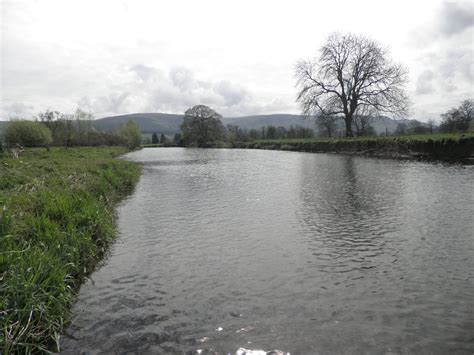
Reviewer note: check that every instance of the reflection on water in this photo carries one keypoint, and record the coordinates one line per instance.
(221, 250)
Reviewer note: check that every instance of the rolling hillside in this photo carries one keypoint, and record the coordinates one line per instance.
(148, 122)
(259, 121)
(169, 123)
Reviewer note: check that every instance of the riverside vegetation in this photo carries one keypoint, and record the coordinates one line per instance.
(454, 140)
(56, 223)
(443, 146)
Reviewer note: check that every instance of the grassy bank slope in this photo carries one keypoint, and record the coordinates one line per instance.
(433, 146)
(56, 222)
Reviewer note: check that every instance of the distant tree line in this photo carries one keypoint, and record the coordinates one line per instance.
(202, 127)
(414, 127)
(458, 119)
(53, 128)
(163, 140)
(334, 125)
(236, 134)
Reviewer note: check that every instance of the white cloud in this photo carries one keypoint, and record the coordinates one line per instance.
(235, 56)
(441, 49)
(19, 110)
(455, 17)
(424, 83)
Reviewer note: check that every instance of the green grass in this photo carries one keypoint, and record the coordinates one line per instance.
(411, 137)
(153, 145)
(455, 147)
(56, 223)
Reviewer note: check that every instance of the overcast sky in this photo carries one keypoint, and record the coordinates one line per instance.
(116, 57)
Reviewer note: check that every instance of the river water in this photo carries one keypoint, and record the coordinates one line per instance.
(306, 253)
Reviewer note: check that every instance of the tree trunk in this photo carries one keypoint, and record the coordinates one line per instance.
(348, 120)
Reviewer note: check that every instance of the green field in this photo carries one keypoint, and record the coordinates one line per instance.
(411, 137)
(56, 223)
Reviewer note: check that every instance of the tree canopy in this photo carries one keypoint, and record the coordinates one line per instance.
(130, 132)
(27, 133)
(352, 74)
(201, 126)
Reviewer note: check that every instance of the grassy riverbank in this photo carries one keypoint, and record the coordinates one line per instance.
(449, 146)
(56, 223)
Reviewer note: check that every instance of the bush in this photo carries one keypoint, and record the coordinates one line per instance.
(27, 133)
(130, 133)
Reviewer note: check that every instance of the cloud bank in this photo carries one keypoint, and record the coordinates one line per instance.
(443, 49)
(139, 56)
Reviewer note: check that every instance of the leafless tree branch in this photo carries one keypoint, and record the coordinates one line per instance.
(351, 72)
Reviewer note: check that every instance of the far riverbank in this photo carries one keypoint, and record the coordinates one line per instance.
(447, 147)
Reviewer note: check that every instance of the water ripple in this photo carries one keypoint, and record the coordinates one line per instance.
(226, 250)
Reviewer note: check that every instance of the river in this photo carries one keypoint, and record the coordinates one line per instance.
(306, 253)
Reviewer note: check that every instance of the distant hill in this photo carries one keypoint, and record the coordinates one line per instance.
(259, 121)
(382, 123)
(169, 123)
(148, 122)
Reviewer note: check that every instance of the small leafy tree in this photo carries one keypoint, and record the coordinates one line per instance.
(131, 134)
(27, 133)
(154, 138)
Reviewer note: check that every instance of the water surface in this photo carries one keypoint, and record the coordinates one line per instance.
(306, 253)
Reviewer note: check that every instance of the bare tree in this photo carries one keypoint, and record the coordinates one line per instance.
(83, 126)
(363, 118)
(327, 124)
(51, 120)
(458, 119)
(351, 72)
(466, 110)
(402, 129)
(431, 123)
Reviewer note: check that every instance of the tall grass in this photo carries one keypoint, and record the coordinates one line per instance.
(56, 223)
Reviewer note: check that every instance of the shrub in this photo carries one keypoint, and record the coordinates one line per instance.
(27, 133)
(130, 133)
